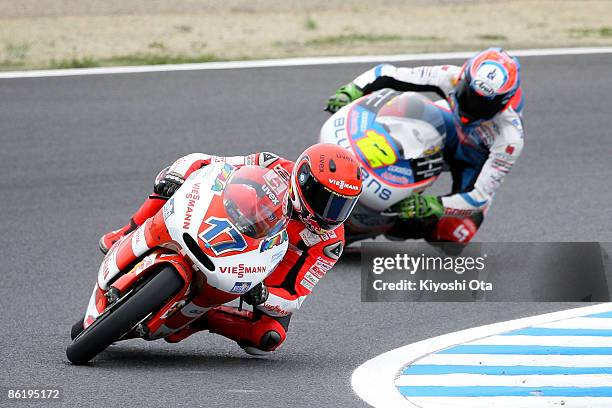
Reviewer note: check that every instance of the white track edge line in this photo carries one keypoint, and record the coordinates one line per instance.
(291, 62)
(374, 380)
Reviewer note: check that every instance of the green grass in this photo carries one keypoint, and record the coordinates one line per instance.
(310, 24)
(183, 28)
(76, 62)
(540, 24)
(351, 39)
(422, 38)
(158, 59)
(16, 51)
(604, 32)
(131, 59)
(492, 37)
(8, 65)
(15, 55)
(157, 45)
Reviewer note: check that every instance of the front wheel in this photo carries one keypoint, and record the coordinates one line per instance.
(110, 327)
(77, 328)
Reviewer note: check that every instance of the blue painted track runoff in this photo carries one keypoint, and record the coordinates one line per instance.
(488, 391)
(571, 358)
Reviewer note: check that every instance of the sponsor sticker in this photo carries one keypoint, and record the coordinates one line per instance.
(311, 239)
(241, 287)
(266, 189)
(490, 78)
(277, 257)
(144, 264)
(168, 208)
(192, 196)
(284, 174)
(398, 174)
(222, 178)
(394, 178)
(365, 121)
(307, 284)
(275, 309)
(311, 278)
(483, 87)
(320, 267)
(324, 264)
(241, 269)
(401, 170)
(458, 212)
(275, 182)
(274, 241)
(352, 118)
(502, 165)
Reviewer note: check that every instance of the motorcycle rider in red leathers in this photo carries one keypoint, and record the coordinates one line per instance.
(484, 139)
(325, 185)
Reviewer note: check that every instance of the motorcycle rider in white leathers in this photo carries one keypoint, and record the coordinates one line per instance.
(484, 137)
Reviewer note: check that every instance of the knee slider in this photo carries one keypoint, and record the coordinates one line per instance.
(270, 340)
(268, 333)
(267, 344)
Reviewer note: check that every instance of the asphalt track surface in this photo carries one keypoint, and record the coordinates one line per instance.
(78, 154)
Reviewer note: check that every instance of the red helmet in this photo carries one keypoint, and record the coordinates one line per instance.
(325, 186)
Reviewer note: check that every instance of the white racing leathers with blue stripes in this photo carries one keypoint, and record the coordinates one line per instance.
(479, 156)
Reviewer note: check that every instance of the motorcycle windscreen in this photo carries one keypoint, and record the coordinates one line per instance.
(255, 200)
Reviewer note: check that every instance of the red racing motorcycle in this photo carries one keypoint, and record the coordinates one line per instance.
(221, 233)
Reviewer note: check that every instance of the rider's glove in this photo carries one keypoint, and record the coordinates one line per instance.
(257, 295)
(168, 184)
(345, 95)
(419, 206)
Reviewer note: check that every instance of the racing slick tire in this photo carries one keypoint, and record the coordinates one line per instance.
(116, 322)
(77, 328)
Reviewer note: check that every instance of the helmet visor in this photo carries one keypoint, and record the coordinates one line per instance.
(473, 106)
(330, 208)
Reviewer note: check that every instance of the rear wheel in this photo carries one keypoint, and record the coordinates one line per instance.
(118, 321)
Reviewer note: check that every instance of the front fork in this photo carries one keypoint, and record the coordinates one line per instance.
(101, 299)
(191, 302)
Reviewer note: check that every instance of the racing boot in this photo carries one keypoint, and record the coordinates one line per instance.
(148, 209)
(256, 336)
